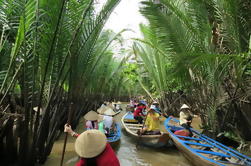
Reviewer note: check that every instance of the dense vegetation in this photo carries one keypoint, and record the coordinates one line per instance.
(55, 56)
(199, 52)
(53, 53)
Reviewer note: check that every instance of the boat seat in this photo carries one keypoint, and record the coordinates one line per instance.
(212, 153)
(134, 127)
(131, 124)
(191, 138)
(198, 144)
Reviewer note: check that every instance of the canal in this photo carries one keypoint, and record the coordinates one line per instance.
(126, 151)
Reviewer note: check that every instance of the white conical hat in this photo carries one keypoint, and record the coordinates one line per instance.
(109, 112)
(101, 110)
(90, 143)
(91, 115)
(184, 106)
(110, 106)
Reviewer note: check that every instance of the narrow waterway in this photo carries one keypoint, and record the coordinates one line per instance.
(126, 151)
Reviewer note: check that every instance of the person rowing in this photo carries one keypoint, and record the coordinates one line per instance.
(138, 113)
(186, 118)
(93, 148)
(156, 104)
(109, 122)
(152, 123)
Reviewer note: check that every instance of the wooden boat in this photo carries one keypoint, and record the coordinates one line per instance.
(132, 126)
(114, 138)
(202, 150)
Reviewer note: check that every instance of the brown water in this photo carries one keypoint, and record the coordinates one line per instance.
(126, 152)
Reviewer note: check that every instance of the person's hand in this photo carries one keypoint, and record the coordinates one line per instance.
(67, 129)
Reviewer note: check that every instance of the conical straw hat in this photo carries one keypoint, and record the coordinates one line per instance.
(91, 115)
(184, 106)
(110, 106)
(101, 110)
(100, 118)
(90, 143)
(109, 112)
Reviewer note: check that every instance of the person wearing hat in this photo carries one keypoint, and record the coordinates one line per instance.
(156, 104)
(152, 124)
(93, 149)
(91, 120)
(138, 113)
(186, 118)
(108, 121)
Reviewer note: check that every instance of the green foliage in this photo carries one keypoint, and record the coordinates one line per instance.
(196, 46)
(54, 52)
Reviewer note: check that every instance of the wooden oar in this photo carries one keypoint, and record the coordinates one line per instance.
(70, 114)
(140, 134)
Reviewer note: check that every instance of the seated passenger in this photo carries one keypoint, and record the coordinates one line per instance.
(91, 120)
(152, 124)
(109, 122)
(138, 113)
(156, 104)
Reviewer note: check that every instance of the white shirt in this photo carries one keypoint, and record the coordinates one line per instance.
(108, 120)
(184, 116)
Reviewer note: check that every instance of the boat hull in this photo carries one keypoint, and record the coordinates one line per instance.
(201, 150)
(113, 139)
(132, 126)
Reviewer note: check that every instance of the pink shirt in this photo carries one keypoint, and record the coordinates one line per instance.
(89, 125)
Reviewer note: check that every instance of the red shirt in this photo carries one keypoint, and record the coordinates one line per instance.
(106, 158)
(138, 111)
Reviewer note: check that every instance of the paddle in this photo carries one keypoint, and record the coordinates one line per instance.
(140, 133)
(70, 114)
(166, 116)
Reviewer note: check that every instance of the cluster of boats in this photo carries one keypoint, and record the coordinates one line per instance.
(199, 149)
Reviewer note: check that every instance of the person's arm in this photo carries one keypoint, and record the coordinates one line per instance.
(67, 129)
(141, 113)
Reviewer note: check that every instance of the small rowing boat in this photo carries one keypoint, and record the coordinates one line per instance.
(202, 150)
(132, 126)
(113, 138)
